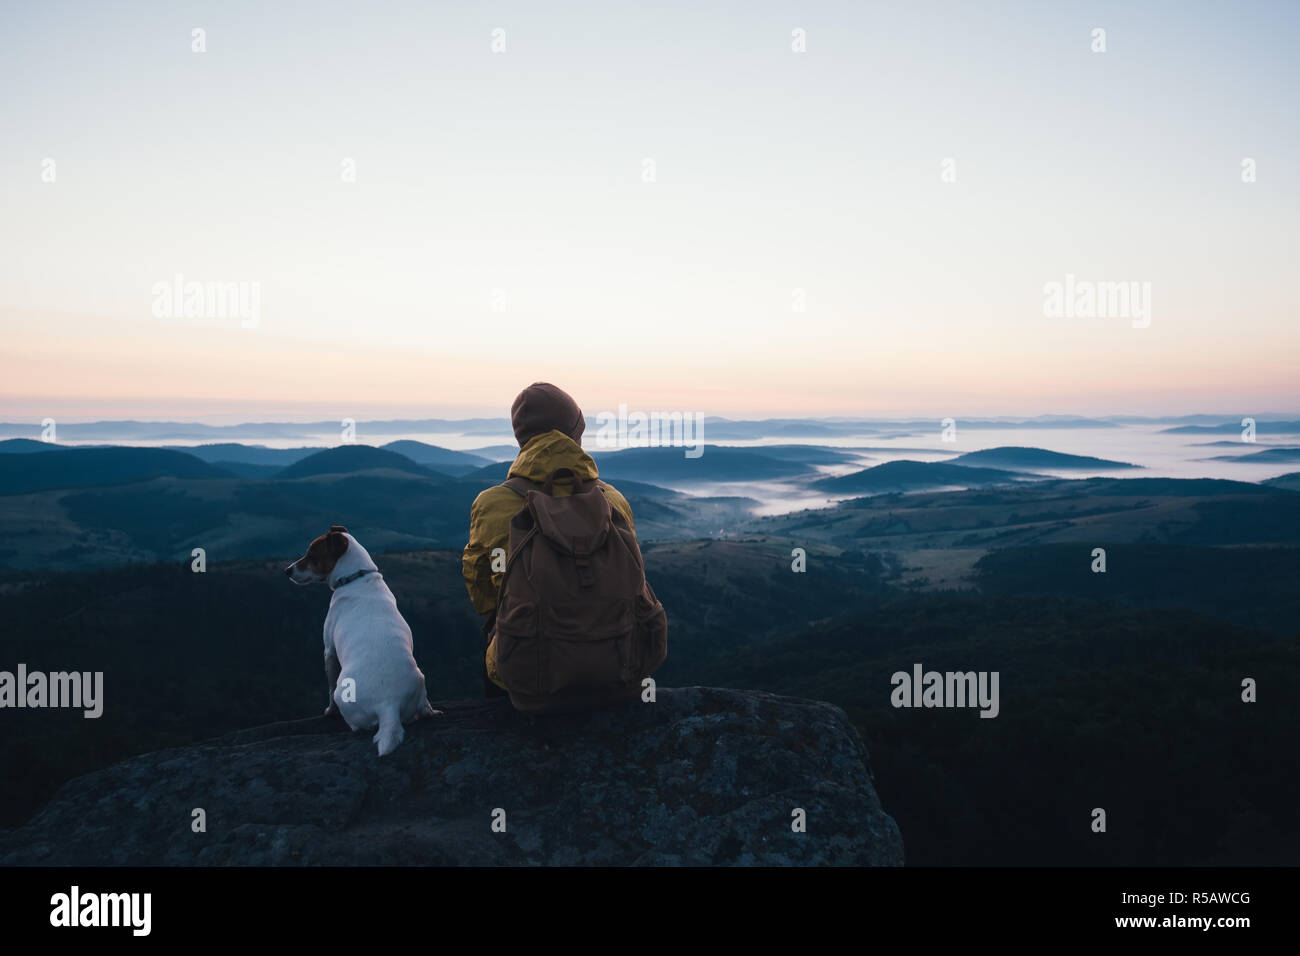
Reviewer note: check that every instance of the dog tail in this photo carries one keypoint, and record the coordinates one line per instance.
(390, 732)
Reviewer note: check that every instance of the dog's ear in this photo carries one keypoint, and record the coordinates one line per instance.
(335, 543)
(337, 527)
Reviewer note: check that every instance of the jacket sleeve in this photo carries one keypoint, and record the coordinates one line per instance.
(476, 561)
(616, 500)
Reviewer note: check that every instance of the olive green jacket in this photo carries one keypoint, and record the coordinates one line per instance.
(489, 517)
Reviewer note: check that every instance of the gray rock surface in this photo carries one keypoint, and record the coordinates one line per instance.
(703, 776)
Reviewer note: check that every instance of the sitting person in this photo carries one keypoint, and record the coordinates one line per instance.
(548, 425)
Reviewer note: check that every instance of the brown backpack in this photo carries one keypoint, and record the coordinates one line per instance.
(577, 623)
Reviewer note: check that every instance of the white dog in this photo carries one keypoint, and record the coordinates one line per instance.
(373, 679)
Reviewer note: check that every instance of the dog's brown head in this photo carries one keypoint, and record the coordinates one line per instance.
(322, 554)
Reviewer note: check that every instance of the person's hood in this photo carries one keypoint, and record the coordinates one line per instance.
(546, 453)
(542, 407)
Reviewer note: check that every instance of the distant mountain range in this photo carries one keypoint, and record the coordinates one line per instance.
(63, 507)
(129, 430)
(715, 428)
(718, 463)
(1266, 456)
(446, 460)
(260, 461)
(1281, 427)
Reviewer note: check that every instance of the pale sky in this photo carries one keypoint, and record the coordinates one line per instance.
(500, 229)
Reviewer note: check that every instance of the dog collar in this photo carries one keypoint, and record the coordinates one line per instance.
(335, 585)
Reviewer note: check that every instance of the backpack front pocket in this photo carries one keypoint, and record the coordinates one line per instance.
(518, 657)
(651, 641)
(587, 646)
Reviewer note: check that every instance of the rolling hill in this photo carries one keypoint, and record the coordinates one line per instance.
(27, 446)
(495, 452)
(1290, 481)
(349, 459)
(494, 473)
(717, 463)
(913, 475)
(244, 469)
(89, 467)
(1025, 458)
(214, 452)
(444, 460)
(259, 461)
(804, 454)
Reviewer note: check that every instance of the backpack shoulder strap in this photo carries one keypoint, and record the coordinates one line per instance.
(520, 486)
